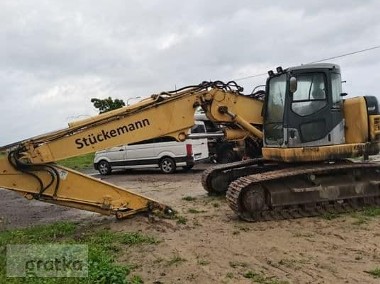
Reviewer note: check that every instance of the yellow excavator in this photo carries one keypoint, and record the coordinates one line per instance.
(309, 133)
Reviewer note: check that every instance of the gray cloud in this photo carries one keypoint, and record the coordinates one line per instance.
(56, 55)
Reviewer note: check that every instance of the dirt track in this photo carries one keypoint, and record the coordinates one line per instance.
(210, 245)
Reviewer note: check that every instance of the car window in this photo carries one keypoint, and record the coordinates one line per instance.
(155, 140)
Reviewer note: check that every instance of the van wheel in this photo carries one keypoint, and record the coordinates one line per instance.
(167, 165)
(104, 168)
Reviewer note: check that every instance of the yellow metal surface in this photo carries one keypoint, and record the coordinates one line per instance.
(374, 127)
(148, 122)
(356, 120)
(234, 134)
(75, 190)
(253, 131)
(247, 108)
(322, 153)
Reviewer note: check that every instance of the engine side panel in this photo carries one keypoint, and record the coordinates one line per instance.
(356, 118)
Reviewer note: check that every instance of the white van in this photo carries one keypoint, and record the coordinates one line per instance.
(164, 153)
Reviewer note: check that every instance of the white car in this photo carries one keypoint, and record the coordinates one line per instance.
(164, 153)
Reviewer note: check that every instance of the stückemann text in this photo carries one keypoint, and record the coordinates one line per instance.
(103, 135)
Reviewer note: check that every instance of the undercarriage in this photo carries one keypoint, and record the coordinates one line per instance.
(259, 190)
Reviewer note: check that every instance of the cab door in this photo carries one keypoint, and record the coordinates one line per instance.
(314, 114)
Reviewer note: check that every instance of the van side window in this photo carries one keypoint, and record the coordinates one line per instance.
(166, 139)
(155, 140)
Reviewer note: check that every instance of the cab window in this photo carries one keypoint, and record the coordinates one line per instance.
(310, 96)
(336, 84)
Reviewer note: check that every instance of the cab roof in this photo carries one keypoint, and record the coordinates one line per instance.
(315, 66)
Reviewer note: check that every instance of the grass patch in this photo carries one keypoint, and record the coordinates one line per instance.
(196, 223)
(360, 219)
(259, 278)
(189, 198)
(254, 276)
(104, 247)
(242, 228)
(216, 204)
(79, 162)
(235, 264)
(136, 279)
(135, 238)
(364, 216)
(375, 272)
(303, 235)
(371, 212)
(203, 262)
(292, 263)
(330, 216)
(181, 220)
(196, 211)
(175, 260)
(230, 275)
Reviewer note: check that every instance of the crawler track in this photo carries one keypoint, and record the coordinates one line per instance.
(305, 191)
(216, 179)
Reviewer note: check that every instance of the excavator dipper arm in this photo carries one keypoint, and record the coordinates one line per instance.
(63, 186)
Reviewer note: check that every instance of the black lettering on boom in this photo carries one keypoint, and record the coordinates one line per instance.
(92, 139)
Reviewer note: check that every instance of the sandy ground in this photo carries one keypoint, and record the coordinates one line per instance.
(211, 245)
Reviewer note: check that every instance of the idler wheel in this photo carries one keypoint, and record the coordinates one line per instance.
(253, 201)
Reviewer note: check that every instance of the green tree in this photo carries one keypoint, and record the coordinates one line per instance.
(104, 105)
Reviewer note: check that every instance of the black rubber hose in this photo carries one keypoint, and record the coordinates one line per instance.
(16, 165)
(27, 169)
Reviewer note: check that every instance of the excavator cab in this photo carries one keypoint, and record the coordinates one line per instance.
(304, 107)
(306, 119)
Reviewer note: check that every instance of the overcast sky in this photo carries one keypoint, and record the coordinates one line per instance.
(56, 55)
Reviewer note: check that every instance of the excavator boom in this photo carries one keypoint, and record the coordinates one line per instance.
(29, 167)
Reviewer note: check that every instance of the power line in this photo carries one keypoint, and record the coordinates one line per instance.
(248, 77)
(346, 54)
(321, 60)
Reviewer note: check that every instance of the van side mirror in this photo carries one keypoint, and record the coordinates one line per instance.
(343, 94)
(293, 84)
